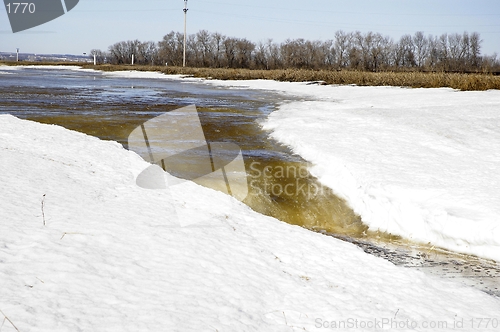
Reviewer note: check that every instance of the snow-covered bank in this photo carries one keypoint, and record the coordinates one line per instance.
(421, 163)
(113, 257)
(49, 67)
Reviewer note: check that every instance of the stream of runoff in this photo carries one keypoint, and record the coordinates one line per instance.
(279, 183)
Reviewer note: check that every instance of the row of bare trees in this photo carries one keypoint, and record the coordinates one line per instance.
(347, 50)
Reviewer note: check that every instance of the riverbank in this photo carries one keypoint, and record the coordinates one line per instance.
(459, 81)
(419, 163)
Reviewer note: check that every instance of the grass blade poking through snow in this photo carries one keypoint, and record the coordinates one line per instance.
(7, 318)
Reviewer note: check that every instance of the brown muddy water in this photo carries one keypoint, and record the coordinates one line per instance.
(279, 183)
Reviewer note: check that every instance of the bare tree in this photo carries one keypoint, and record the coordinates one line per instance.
(433, 53)
(230, 45)
(475, 50)
(218, 49)
(360, 51)
(204, 46)
(261, 58)
(421, 48)
(443, 51)
(146, 52)
(117, 53)
(274, 55)
(244, 53)
(342, 46)
(100, 56)
(170, 49)
(328, 54)
(455, 51)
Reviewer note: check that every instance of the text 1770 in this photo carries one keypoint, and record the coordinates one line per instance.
(20, 7)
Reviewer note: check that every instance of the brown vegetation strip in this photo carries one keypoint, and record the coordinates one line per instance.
(464, 82)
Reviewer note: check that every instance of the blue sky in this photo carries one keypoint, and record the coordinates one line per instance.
(100, 23)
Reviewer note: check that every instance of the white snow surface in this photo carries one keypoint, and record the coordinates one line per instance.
(46, 67)
(113, 256)
(421, 163)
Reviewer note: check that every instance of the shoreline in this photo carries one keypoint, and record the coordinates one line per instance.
(411, 79)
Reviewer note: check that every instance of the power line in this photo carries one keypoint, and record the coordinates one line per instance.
(345, 12)
(336, 23)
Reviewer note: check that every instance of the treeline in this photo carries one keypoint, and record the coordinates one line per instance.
(347, 50)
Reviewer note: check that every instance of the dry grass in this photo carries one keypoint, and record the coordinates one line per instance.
(458, 81)
(465, 82)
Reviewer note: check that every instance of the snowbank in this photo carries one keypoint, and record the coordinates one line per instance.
(421, 163)
(112, 256)
(47, 67)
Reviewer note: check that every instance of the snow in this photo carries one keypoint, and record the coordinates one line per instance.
(113, 256)
(419, 163)
(46, 67)
(147, 74)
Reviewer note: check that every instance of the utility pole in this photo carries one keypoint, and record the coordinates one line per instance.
(185, 19)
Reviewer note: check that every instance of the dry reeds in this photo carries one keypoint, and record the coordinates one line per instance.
(465, 82)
